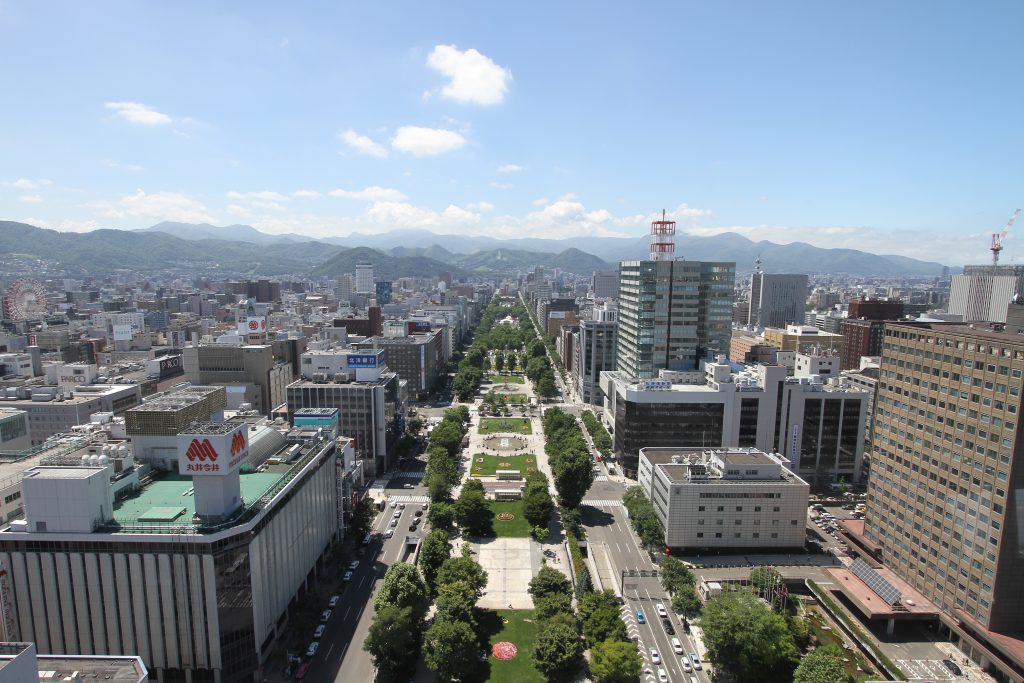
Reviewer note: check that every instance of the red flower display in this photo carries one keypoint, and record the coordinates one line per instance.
(504, 650)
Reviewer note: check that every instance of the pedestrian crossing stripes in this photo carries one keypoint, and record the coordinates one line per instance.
(601, 477)
(407, 475)
(600, 503)
(409, 499)
(925, 669)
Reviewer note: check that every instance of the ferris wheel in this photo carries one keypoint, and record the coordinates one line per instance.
(25, 299)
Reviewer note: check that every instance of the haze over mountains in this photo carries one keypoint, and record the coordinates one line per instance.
(241, 249)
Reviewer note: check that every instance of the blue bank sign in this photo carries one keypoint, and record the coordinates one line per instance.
(362, 360)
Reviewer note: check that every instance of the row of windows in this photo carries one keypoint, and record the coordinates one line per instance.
(756, 534)
(739, 508)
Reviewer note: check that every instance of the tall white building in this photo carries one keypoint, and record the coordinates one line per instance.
(777, 300)
(981, 296)
(364, 278)
(724, 498)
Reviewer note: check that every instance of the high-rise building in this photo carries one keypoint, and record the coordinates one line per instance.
(250, 372)
(947, 468)
(860, 338)
(777, 300)
(594, 352)
(343, 285)
(673, 314)
(982, 294)
(364, 278)
(605, 284)
(382, 292)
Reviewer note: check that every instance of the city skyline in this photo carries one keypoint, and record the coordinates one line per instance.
(885, 129)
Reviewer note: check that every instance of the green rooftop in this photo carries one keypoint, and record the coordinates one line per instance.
(170, 501)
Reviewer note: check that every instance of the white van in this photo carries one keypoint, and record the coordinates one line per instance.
(677, 646)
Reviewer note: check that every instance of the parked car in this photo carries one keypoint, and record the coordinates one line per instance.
(655, 657)
(953, 667)
(662, 612)
(319, 631)
(686, 665)
(408, 486)
(347, 577)
(695, 660)
(412, 527)
(325, 615)
(300, 672)
(394, 523)
(662, 676)
(333, 602)
(419, 513)
(677, 646)
(389, 533)
(311, 650)
(398, 513)
(640, 618)
(353, 565)
(667, 625)
(424, 506)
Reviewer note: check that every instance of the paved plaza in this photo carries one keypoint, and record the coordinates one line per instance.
(509, 563)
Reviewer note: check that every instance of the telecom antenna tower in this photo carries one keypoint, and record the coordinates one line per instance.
(663, 239)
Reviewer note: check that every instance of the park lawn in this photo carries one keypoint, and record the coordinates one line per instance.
(520, 630)
(517, 527)
(492, 463)
(512, 425)
(507, 379)
(516, 399)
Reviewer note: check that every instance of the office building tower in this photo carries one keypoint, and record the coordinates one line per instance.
(382, 292)
(875, 309)
(605, 284)
(250, 372)
(983, 293)
(364, 278)
(947, 469)
(594, 347)
(804, 339)
(417, 358)
(813, 418)
(777, 300)
(672, 314)
(343, 287)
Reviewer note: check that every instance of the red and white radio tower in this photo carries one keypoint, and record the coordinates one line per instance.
(663, 239)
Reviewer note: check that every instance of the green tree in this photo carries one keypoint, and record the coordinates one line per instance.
(403, 587)
(601, 617)
(573, 476)
(432, 555)
(413, 426)
(548, 581)
(457, 414)
(546, 385)
(441, 516)
(614, 661)
(536, 367)
(584, 584)
(675, 574)
(362, 517)
(451, 650)
(558, 651)
(748, 639)
(686, 602)
(393, 642)
(536, 348)
(767, 581)
(448, 435)
(471, 509)
(824, 665)
(548, 605)
(538, 506)
(456, 601)
(463, 569)
(499, 361)
(475, 358)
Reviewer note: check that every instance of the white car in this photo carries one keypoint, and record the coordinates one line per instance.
(394, 504)
(319, 630)
(347, 576)
(686, 665)
(662, 676)
(398, 513)
(660, 608)
(389, 533)
(325, 615)
(394, 523)
(311, 650)
(677, 646)
(333, 602)
(695, 660)
(353, 565)
(655, 657)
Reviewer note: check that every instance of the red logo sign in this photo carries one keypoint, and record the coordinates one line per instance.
(237, 443)
(201, 450)
(253, 325)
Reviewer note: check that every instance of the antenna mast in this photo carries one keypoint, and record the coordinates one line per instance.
(663, 239)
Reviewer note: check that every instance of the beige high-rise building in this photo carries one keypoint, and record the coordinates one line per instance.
(947, 468)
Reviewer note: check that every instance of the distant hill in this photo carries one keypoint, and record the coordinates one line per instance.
(385, 266)
(513, 260)
(796, 257)
(99, 250)
(205, 231)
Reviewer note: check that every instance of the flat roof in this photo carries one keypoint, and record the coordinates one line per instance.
(44, 472)
(113, 669)
(174, 492)
(913, 604)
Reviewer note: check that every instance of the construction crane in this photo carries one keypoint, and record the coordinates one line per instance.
(998, 237)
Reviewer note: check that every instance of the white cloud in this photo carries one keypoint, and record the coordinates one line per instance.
(510, 168)
(26, 183)
(306, 194)
(373, 193)
(363, 144)
(134, 112)
(502, 186)
(457, 214)
(542, 201)
(31, 198)
(482, 207)
(474, 78)
(422, 142)
(159, 206)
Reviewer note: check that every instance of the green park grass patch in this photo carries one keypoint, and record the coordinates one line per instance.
(485, 465)
(506, 379)
(512, 425)
(517, 526)
(520, 630)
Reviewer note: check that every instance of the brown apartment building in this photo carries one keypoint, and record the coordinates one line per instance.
(945, 492)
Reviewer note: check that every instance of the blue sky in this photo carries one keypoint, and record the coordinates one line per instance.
(892, 127)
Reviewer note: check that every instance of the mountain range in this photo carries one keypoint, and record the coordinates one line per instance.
(241, 250)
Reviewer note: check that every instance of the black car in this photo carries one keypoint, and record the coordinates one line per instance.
(667, 625)
(953, 667)
(412, 527)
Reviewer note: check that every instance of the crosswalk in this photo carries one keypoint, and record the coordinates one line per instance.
(409, 499)
(407, 475)
(601, 503)
(925, 669)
